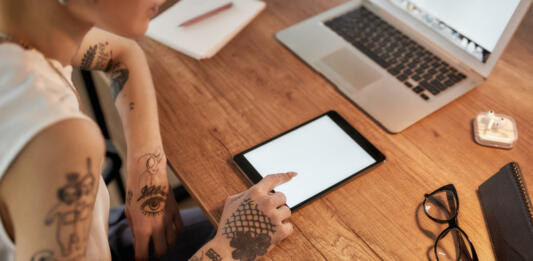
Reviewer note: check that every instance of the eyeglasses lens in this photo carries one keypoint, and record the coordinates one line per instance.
(441, 205)
(453, 246)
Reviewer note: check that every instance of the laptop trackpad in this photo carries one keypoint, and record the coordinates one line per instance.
(351, 68)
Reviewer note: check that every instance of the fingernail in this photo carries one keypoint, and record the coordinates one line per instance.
(292, 174)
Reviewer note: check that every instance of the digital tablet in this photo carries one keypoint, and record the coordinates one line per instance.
(325, 152)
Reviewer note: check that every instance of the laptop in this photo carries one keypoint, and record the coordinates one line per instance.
(400, 60)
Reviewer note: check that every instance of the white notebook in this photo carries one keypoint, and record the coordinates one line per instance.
(204, 38)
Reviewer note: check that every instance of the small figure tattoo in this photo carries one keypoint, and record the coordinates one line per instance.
(132, 106)
(75, 206)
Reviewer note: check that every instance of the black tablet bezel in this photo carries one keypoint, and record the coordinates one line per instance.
(253, 175)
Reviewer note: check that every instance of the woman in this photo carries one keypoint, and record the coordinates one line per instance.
(53, 203)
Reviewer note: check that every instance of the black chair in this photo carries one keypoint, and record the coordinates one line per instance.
(113, 164)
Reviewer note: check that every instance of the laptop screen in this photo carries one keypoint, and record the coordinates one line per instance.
(473, 25)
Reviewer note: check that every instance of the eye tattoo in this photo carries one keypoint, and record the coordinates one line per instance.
(153, 206)
(154, 200)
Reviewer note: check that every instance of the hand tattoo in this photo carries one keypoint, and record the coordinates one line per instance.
(76, 200)
(153, 196)
(151, 164)
(213, 255)
(250, 231)
(154, 203)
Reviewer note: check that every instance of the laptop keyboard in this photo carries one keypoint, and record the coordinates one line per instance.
(413, 65)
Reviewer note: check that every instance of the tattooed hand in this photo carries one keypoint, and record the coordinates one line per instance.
(150, 205)
(254, 221)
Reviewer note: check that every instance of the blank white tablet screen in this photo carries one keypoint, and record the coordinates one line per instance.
(320, 152)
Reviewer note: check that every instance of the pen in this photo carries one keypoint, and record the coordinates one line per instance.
(207, 14)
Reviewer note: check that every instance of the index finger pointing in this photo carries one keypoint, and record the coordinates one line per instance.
(274, 180)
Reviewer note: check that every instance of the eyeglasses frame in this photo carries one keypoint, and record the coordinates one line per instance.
(452, 221)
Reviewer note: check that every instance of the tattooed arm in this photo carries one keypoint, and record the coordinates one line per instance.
(151, 208)
(131, 85)
(252, 223)
(49, 192)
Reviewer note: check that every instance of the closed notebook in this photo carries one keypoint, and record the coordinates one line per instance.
(509, 214)
(204, 38)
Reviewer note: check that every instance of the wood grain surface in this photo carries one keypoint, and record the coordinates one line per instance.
(255, 89)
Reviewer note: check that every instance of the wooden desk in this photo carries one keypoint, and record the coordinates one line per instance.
(255, 88)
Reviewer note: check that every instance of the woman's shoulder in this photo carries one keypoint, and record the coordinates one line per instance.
(20, 66)
(14, 58)
(32, 98)
(26, 76)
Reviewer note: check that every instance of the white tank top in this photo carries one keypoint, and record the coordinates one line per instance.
(32, 97)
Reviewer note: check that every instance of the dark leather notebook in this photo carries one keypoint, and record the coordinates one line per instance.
(508, 214)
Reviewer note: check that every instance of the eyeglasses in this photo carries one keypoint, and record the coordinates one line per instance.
(442, 206)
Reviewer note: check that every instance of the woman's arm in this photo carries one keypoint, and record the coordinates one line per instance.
(48, 175)
(131, 85)
(151, 208)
